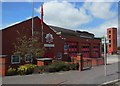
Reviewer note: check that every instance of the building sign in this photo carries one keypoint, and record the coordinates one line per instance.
(49, 38)
(49, 45)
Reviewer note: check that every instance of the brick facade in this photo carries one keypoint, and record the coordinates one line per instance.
(89, 47)
(112, 36)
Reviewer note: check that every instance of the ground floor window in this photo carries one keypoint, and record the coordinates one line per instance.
(15, 59)
(28, 58)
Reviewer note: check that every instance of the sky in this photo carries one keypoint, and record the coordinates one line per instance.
(94, 17)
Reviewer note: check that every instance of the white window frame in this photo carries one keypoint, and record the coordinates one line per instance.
(12, 59)
(28, 61)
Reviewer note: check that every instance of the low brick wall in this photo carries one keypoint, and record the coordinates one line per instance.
(3, 65)
(94, 61)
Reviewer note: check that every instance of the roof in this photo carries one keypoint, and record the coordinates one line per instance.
(68, 32)
(64, 31)
(60, 30)
(36, 17)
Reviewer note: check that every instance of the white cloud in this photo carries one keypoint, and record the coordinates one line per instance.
(101, 0)
(64, 14)
(102, 29)
(100, 9)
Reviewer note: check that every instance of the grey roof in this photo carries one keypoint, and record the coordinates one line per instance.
(68, 32)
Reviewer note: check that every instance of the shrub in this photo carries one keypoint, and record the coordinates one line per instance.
(22, 70)
(39, 69)
(59, 65)
(30, 68)
(11, 71)
(26, 69)
(50, 68)
(73, 66)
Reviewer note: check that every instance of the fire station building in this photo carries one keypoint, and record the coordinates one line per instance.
(59, 42)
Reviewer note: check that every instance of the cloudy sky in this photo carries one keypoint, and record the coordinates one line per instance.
(94, 17)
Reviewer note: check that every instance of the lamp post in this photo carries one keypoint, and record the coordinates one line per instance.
(105, 41)
(105, 57)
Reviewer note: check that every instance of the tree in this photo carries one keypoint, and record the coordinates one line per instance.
(28, 45)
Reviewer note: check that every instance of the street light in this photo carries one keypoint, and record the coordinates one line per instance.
(105, 41)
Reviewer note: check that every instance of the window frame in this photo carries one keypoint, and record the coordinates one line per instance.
(26, 60)
(12, 56)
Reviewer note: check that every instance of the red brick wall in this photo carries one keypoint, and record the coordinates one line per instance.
(86, 41)
(113, 33)
(3, 66)
(25, 28)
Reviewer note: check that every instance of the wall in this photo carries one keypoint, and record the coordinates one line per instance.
(112, 36)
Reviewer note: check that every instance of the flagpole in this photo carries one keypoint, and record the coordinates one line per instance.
(42, 21)
(32, 17)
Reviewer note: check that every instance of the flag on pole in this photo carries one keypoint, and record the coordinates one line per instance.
(42, 21)
(42, 13)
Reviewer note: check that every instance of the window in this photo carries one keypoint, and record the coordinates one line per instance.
(109, 45)
(15, 59)
(109, 32)
(28, 58)
(109, 36)
(109, 41)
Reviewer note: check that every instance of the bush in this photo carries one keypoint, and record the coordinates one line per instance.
(22, 70)
(50, 68)
(26, 69)
(73, 66)
(39, 69)
(11, 71)
(30, 68)
(59, 65)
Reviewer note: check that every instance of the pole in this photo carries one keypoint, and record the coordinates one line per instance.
(42, 20)
(32, 18)
(105, 56)
(81, 62)
(42, 33)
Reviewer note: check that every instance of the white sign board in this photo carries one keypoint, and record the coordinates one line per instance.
(49, 45)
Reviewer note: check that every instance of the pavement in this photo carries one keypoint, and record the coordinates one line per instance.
(96, 75)
(113, 58)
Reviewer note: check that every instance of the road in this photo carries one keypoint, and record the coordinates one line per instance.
(92, 76)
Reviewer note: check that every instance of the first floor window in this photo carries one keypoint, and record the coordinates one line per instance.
(15, 59)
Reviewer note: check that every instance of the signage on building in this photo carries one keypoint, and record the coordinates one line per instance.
(49, 45)
(49, 38)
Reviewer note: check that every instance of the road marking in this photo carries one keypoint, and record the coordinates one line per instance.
(111, 81)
